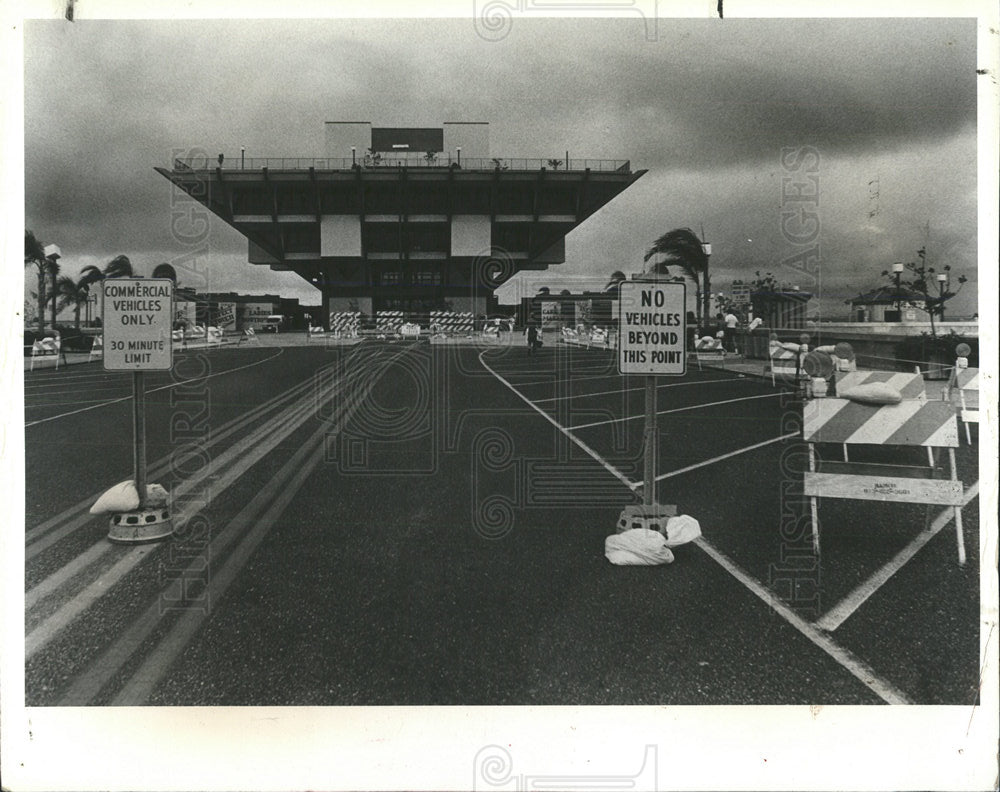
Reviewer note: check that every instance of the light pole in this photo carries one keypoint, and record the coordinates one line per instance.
(942, 280)
(243, 152)
(897, 271)
(706, 294)
(354, 154)
(458, 151)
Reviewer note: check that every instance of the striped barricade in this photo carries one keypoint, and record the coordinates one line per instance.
(389, 322)
(912, 422)
(97, 346)
(965, 386)
(249, 335)
(709, 350)
(785, 362)
(213, 335)
(345, 324)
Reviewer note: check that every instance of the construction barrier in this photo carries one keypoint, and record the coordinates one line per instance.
(47, 346)
(965, 387)
(709, 350)
(345, 324)
(389, 322)
(249, 335)
(97, 346)
(213, 335)
(451, 323)
(912, 422)
(785, 360)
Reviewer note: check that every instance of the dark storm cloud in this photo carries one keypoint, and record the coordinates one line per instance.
(706, 107)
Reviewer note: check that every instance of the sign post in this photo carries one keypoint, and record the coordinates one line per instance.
(652, 337)
(138, 317)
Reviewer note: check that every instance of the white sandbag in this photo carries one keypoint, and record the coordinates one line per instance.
(122, 497)
(872, 393)
(681, 530)
(637, 547)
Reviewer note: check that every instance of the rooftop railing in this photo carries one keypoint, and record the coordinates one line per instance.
(394, 161)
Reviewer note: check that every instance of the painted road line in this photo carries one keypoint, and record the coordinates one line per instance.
(154, 390)
(235, 461)
(843, 610)
(634, 390)
(882, 688)
(597, 457)
(721, 457)
(554, 379)
(162, 465)
(89, 685)
(39, 537)
(677, 410)
(845, 658)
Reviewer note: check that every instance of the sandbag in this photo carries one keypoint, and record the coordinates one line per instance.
(681, 530)
(124, 497)
(872, 393)
(638, 547)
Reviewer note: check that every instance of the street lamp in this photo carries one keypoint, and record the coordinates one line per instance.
(706, 294)
(897, 271)
(458, 151)
(942, 279)
(243, 152)
(354, 153)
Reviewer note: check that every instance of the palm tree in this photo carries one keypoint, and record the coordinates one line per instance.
(34, 253)
(683, 248)
(72, 293)
(118, 267)
(616, 279)
(52, 272)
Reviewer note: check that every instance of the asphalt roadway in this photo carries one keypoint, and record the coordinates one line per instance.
(401, 524)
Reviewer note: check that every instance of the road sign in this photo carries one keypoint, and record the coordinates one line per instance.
(138, 318)
(652, 326)
(741, 293)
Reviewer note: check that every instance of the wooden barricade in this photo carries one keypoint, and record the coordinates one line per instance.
(964, 388)
(912, 422)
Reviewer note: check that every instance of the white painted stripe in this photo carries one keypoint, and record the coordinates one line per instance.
(840, 612)
(945, 436)
(901, 381)
(632, 390)
(854, 665)
(155, 390)
(885, 422)
(818, 412)
(676, 410)
(89, 684)
(58, 621)
(886, 691)
(713, 460)
(610, 468)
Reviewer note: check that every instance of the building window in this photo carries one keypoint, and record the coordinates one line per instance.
(427, 278)
(392, 278)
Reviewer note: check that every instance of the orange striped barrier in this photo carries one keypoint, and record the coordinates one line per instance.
(910, 386)
(912, 422)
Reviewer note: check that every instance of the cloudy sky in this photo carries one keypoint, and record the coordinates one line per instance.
(889, 106)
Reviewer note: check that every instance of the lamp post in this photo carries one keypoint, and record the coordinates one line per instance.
(942, 280)
(706, 294)
(458, 151)
(897, 271)
(243, 153)
(354, 154)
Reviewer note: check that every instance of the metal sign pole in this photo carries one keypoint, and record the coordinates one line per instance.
(649, 436)
(139, 434)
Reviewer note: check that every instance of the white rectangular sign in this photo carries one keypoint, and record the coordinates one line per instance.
(137, 315)
(652, 328)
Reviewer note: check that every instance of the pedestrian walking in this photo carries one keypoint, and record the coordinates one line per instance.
(531, 334)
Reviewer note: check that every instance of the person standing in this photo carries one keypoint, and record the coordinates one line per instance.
(532, 336)
(730, 331)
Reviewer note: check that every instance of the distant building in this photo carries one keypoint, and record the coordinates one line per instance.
(781, 309)
(412, 219)
(234, 312)
(886, 304)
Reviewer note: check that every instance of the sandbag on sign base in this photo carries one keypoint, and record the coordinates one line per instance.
(124, 497)
(638, 547)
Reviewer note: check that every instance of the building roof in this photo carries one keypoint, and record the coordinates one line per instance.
(887, 295)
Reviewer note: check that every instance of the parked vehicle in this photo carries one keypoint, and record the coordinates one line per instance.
(275, 323)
